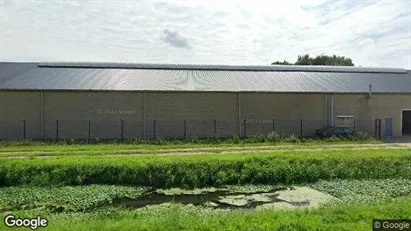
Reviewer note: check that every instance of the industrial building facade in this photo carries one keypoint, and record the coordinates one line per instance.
(109, 101)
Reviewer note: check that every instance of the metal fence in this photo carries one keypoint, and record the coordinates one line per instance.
(130, 129)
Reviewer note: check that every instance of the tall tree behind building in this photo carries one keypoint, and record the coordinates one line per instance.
(324, 60)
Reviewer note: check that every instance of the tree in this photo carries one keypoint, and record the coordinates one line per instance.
(281, 63)
(304, 60)
(325, 60)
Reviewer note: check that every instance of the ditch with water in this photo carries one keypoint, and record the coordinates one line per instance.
(227, 199)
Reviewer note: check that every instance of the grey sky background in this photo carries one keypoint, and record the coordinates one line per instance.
(372, 33)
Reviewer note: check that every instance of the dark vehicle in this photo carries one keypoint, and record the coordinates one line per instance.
(334, 131)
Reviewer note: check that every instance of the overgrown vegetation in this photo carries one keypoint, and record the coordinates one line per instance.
(269, 143)
(366, 191)
(177, 217)
(209, 169)
(272, 137)
(67, 199)
(45, 185)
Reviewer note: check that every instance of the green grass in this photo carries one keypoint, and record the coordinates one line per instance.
(153, 150)
(160, 146)
(177, 217)
(208, 170)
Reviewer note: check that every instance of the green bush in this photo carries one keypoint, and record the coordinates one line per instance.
(258, 138)
(362, 136)
(193, 140)
(160, 141)
(7, 143)
(333, 139)
(359, 136)
(274, 137)
(235, 139)
(137, 141)
(306, 140)
(207, 170)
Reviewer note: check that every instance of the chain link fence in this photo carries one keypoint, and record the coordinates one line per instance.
(131, 129)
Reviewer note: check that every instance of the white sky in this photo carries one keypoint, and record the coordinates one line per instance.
(256, 32)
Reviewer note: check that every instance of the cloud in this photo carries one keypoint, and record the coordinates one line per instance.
(175, 39)
(244, 32)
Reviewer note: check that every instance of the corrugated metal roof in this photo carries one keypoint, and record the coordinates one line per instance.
(204, 78)
(223, 67)
(10, 70)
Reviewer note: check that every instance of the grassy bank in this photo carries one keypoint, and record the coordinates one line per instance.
(130, 150)
(254, 140)
(34, 146)
(177, 217)
(208, 170)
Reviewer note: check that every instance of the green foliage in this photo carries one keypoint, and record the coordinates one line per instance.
(159, 141)
(58, 199)
(208, 170)
(274, 137)
(359, 136)
(259, 138)
(138, 141)
(281, 63)
(292, 138)
(366, 191)
(323, 60)
(235, 139)
(274, 142)
(178, 217)
(271, 137)
(362, 136)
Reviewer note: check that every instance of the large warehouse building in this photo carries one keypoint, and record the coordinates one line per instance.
(108, 100)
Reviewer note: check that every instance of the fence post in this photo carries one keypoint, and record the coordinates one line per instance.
(376, 128)
(57, 130)
(154, 129)
(379, 129)
(301, 128)
(245, 129)
(215, 128)
(354, 125)
(24, 129)
(89, 130)
(273, 125)
(122, 130)
(185, 129)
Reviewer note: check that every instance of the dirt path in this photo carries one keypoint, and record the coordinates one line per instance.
(261, 151)
(226, 150)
